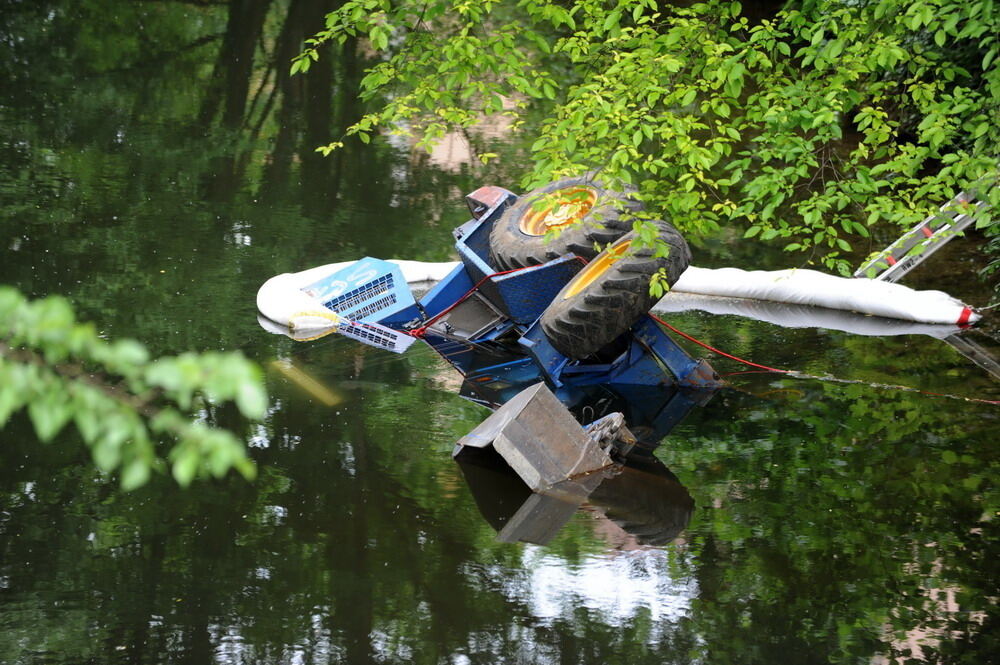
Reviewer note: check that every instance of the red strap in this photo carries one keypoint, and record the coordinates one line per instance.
(963, 319)
(422, 330)
(715, 350)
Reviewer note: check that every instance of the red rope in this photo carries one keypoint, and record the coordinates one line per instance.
(790, 372)
(715, 350)
(422, 330)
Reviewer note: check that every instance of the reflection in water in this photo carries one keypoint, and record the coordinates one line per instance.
(616, 587)
(643, 499)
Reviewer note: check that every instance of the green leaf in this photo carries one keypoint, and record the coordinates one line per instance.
(134, 475)
(166, 373)
(128, 354)
(112, 414)
(251, 400)
(50, 412)
(107, 452)
(612, 20)
(12, 396)
(185, 466)
(10, 301)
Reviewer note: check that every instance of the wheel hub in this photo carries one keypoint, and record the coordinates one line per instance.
(597, 267)
(561, 208)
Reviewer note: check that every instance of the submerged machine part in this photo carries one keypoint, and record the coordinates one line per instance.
(649, 411)
(537, 459)
(539, 439)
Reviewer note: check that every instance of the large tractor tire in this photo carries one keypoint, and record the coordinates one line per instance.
(611, 293)
(581, 209)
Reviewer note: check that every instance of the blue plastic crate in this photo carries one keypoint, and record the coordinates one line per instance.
(367, 290)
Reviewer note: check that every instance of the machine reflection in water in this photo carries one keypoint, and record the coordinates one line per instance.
(643, 498)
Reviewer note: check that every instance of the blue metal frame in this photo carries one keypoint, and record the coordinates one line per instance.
(651, 357)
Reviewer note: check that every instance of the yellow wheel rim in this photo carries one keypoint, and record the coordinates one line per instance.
(570, 205)
(597, 267)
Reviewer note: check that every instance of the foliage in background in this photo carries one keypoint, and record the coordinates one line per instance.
(806, 125)
(122, 402)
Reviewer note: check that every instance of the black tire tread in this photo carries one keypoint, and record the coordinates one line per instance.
(582, 325)
(511, 249)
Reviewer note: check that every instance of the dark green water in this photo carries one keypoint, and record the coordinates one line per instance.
(156, 170)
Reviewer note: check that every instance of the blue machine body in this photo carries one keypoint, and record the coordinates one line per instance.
(485, 322)
(498, 333)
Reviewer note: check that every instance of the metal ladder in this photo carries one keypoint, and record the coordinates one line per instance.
(930, 235)
(914, 246)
